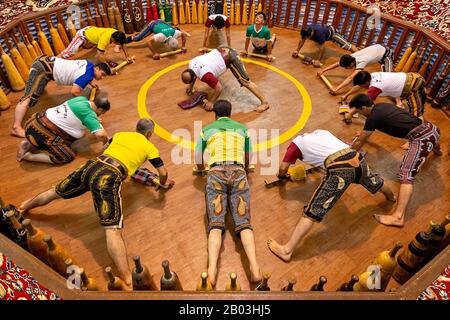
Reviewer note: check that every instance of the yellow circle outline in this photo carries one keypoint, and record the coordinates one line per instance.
(166, 135)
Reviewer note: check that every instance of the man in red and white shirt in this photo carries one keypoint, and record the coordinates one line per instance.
(217, 22)
(210, 66)
(343, 166)
(409, 87)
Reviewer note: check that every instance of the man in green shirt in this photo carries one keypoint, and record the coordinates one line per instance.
(49, 134)
(259, 35)
(163, 36)
(229, 147)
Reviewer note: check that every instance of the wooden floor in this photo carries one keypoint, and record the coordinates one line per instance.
(172, 225)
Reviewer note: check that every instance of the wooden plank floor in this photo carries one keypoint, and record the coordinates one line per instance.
(172, 225)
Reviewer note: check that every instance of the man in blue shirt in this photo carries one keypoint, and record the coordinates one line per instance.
(75, 73)
(320, 34)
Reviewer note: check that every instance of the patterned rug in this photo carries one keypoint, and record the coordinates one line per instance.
(18, 284)
(431, 14)
(13, 9)
(439, 289)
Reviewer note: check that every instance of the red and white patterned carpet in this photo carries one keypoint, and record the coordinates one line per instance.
(17, 284)
(431, 14)
(14, 9)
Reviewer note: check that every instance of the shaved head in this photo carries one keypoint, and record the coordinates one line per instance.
(188, 76)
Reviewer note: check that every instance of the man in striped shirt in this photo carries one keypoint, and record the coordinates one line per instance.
(228, 145)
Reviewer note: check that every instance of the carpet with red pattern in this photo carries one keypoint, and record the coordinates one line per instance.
(431, 14)
(17, 284)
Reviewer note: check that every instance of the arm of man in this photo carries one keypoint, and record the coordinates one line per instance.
(247, 43)
(217, 92)
(299, 47)
(330, 67)
(227, 31)
(283, 170)
(125, 51)
(346, 82)
(269, 47)
(350, 92)
(362, 139)
(76, 90)
(184, 36)
(102, 136)
(205, 37)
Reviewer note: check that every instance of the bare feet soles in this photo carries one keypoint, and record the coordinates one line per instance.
(279, 250)
(389, 220)
(263, 107)
(19, 133)
(24, 147)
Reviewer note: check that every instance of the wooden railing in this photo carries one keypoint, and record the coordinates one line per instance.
(349, 19)
(53, 281)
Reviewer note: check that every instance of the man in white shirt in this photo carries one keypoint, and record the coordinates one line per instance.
(408, 87)
(75, 73)
(343, 166)
(361, 59)
(210, 66)
(49, 134)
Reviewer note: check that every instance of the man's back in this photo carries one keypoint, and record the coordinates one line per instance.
(225, 140)
(132, 149)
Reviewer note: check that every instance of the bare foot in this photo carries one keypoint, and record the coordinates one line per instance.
(279, 250)
(212, 275)
(24, 207)
(255, 275)
(24, 147)
(263, 107)
(18, 132)
(389, 220)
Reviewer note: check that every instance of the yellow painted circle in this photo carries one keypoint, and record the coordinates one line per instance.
(264, 145)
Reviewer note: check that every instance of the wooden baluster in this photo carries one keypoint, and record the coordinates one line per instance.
(392, 38)
(399, 45)
(382, 33)
(437, 85)
(354, 27)
(346, 22)
(279, 9)
(370, 37)
(288, 13)
(337, 16)
(363, 31)
(424, 67)
(270, 14)
(307, 9)
(326, 14)
(316, 11)
(436, 65)
(419, 60)
(297, 13)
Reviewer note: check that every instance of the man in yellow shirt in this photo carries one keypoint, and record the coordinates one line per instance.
(100, 37)
(103, 177)
(229, 147)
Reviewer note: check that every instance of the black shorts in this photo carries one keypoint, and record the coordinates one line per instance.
(341, 172)
(104, 180)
